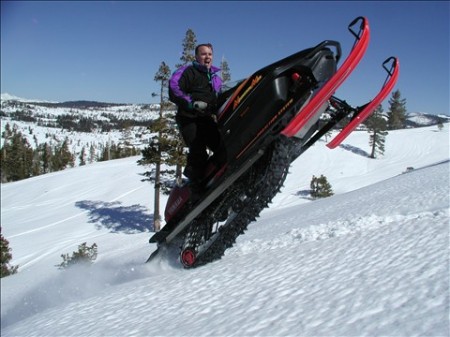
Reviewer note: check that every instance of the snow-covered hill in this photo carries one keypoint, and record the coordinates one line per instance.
(37, 120)
(8, 97)
(42, 122)
(370, 261)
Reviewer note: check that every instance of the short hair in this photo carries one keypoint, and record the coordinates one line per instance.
(209, 45)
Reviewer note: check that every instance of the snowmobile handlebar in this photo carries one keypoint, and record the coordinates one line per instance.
(364, 25)
(393, 65)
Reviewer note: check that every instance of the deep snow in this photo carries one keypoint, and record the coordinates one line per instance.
(373, 260)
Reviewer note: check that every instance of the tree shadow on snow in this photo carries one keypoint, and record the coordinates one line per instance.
(354, 149)
(304, 194)
(117, 218)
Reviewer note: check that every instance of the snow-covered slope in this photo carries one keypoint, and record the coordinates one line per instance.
(42, 125)
(372, 260)
(8, 97)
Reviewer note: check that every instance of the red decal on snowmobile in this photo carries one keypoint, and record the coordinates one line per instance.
(369, 108)
(238, 90)
(238, 99)
(307, 112)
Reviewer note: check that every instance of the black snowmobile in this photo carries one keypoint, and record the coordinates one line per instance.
(268, 120)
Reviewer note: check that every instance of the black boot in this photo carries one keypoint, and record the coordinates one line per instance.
(196, 184)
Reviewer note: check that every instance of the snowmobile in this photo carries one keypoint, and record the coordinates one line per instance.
(267, 121)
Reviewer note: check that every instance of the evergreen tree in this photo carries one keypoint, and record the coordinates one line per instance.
(36, 169)
(3, 153)
(45, 157)
(91, 158)
(158, 147)
(105, 152)
(16, 156)
(189, 44)
(62, 157)
(226, 75)
(68, 156)
(6, 257)
(82, 156)
(85, 255)
(176, 150)
(397, 111)
(178, 155)
(376, 126)
(320, 187)
(126, 142)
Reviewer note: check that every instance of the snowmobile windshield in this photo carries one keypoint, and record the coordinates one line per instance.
(232, 85)
(227, 91)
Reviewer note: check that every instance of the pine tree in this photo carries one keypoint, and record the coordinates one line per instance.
(397, 111)
(16, 156)
(104, 152)
(320, 187)
(376, 126)
(91, 158)
(6, 257)
(85, 255)
(155, 153)
(226, 75)
(189, 44)
(45, 157)
(178, 155)
(126, 142)
(82, 156)
(62, 157)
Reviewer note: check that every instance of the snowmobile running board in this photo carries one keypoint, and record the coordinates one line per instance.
(324, 94)
(361, 115)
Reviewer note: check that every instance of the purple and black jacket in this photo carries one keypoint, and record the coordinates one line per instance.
(194, 83)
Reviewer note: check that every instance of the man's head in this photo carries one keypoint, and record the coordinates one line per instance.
(204, 54)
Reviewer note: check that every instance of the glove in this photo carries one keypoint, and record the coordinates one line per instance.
(200, 106)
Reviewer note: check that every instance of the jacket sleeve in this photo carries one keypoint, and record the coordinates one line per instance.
(177, 89)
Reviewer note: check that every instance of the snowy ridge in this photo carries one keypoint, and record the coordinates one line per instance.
(8, 97)
(372, 260)
(46, 115)
(335, 229)
(433, 209)
(45, 127)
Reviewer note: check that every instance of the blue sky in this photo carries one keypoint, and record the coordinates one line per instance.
(109, 51)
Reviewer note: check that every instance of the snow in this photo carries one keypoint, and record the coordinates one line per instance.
(45, 127)
(8, 97)
(372, 260)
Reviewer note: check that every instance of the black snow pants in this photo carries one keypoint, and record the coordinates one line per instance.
(199, 134)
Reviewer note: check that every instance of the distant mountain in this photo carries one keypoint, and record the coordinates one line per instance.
(81, 104)
(419, 119)
(8, 97)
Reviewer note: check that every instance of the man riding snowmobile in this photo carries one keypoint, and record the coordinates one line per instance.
(195, 89)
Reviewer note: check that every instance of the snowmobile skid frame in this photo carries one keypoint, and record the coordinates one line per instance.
(267, 121)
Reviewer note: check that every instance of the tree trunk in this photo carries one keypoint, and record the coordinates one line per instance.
(156, 215)
(374, 144)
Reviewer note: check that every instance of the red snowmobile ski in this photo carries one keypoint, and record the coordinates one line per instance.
(267, 121)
